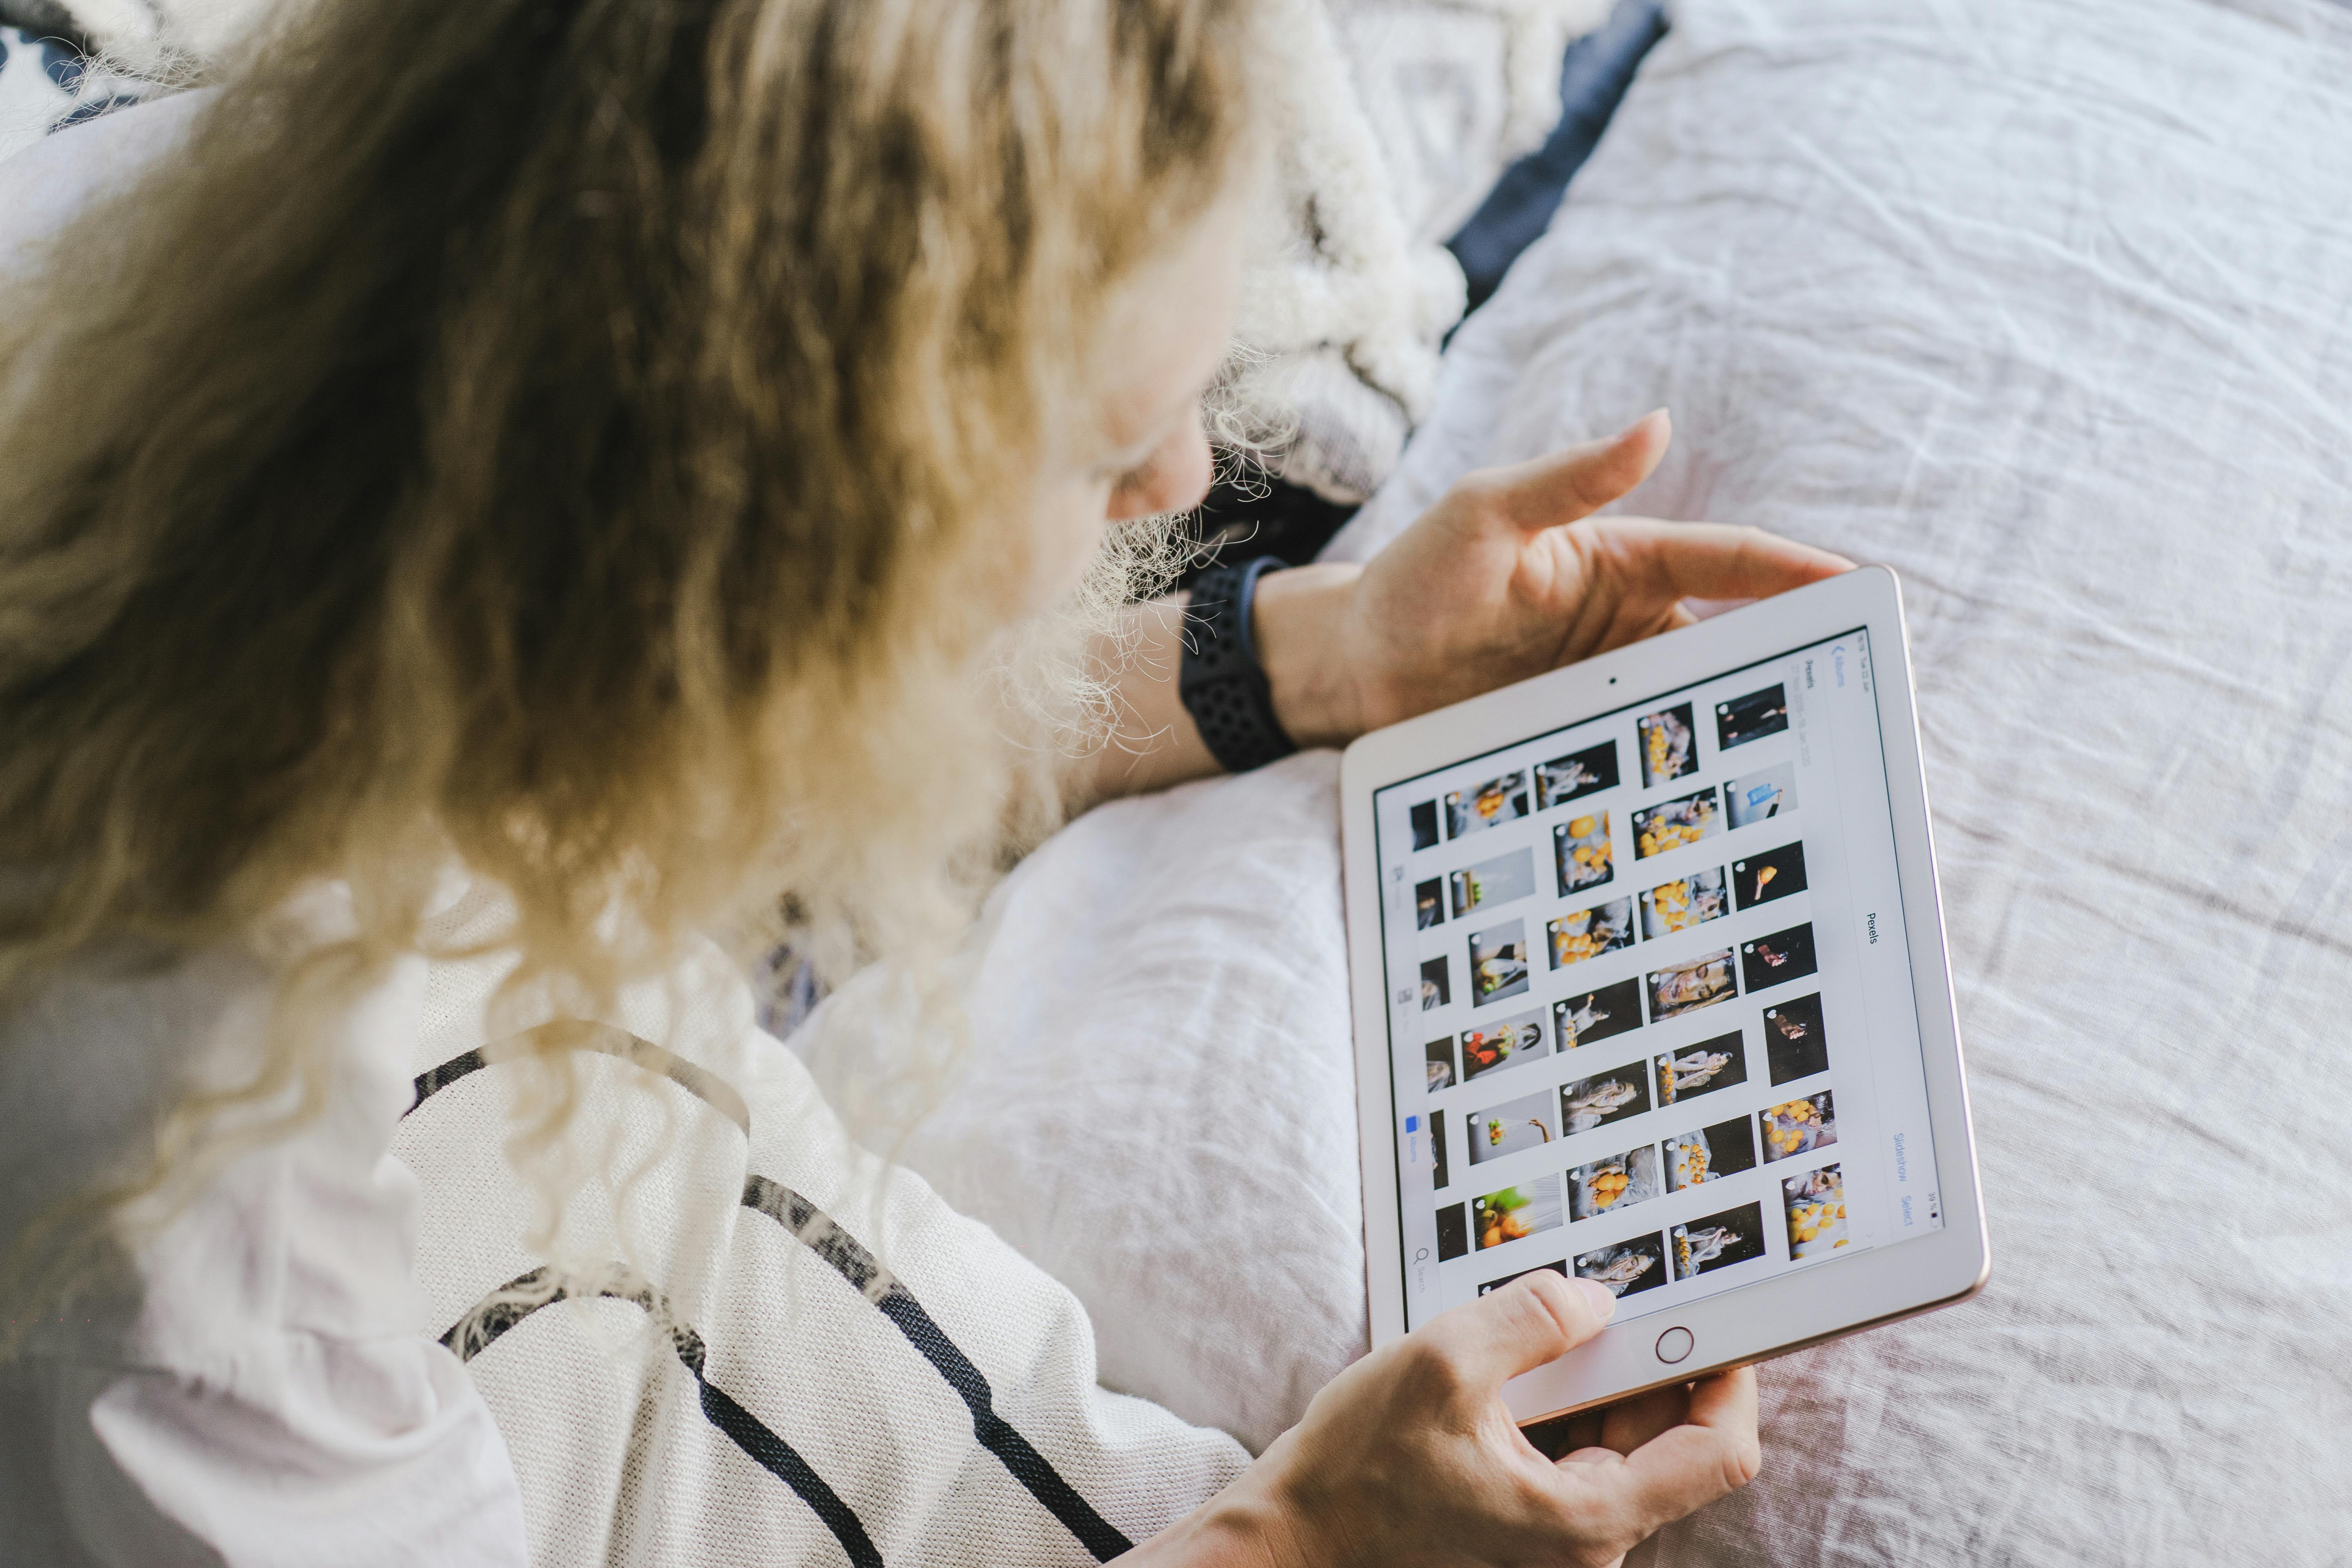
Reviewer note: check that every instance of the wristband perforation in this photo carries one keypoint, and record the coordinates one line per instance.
(1220, 682)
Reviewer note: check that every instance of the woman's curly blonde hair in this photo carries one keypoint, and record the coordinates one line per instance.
(589, 441)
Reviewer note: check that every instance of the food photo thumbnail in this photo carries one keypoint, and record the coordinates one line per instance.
(1669, 746)
(1605, 1098)
(1718, 1241)
(1775, 959)
(1588, 772)
(1495, 881)
(1434, 990)
(1761, 796)
(1799, 1126)
(1587, 933)
(1428, 903)
(1613, 1182)
(1670, 824)
(1425, 824)
(1750, 717)
(1795, 1044)
(1441, 1065)
(1491, 805)
(1515, 1213)
(1627, 1267)
(1687, 987)
(1683, 902)
(1774, 874)
(1498, 962)
(1508, 1128)
(1696, 1070)
(1581, 854)
(1709, 1153)
(1816, 1209)
(1453, 1233)
(1596, 1014)
(1501, 1042)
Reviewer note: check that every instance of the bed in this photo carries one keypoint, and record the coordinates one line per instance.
(2047, 304)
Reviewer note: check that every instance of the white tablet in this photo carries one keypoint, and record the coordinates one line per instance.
(1650, 989)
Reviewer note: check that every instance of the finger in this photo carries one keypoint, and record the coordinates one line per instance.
(1709, 559)
(1689, 1466)
(1625, 1427)
(1579, 480)
(1534, 1319)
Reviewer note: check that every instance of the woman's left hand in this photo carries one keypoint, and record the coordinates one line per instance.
(1508, 576)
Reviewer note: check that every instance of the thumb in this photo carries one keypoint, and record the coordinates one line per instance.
(1537, 1318)
(1576, 482)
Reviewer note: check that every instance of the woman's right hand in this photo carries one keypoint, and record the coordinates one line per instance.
(1410, 1456)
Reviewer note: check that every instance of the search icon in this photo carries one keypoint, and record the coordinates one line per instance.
(1421, 1256)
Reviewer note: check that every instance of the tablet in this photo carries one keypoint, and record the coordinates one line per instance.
(1650, 989)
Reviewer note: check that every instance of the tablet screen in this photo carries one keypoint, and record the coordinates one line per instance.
(1651, 1014)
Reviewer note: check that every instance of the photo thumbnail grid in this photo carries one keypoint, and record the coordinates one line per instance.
(1764, 866)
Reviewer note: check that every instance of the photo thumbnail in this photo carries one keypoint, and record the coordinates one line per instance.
(1587, 933)
(1683, 902)
(1795, 1046)
(1491, 1286)
(1584, 772)
(1627, 1267)
(1771, 792)
(1773, 960)
(1515, 1213)
(1607, 1097)
(1695, 1070)
(1495, 881)
(1670, 824)
(1506, 1042)
(1799, 1126)
(1524, 1123)
(1491, 805)
(1440, 1064)
(1687, 987)
(1775, 874)
(1617, 1182)
(1434, 991)
(1452, 1234)
(1816, 1205)
(1596, 1014)
(1428, 903)
(1751, 718)
(1718, 1241)
(1710, 1154)
(1437, 1152)
(1498, 962)
(1425, 824)
(1668, 745)
(1579, 848)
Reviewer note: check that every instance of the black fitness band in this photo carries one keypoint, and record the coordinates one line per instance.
(1221, 681)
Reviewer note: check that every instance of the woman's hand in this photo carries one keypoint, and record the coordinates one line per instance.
(1410, 1456)
(1508, 576)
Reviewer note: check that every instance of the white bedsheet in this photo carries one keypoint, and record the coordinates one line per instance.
(2047, 303)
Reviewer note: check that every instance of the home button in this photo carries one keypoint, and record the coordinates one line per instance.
(1674, 1345)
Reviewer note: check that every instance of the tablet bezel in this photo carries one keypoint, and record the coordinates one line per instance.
(1772, 1317)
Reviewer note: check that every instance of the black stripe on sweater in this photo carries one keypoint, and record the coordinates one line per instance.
(866, 1274)
(479, 1328)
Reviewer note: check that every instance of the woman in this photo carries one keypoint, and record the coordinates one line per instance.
(638, 473)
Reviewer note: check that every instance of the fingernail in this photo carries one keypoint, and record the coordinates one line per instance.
(1603, 1299)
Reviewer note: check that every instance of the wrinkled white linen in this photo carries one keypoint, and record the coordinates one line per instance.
(2048, 304)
